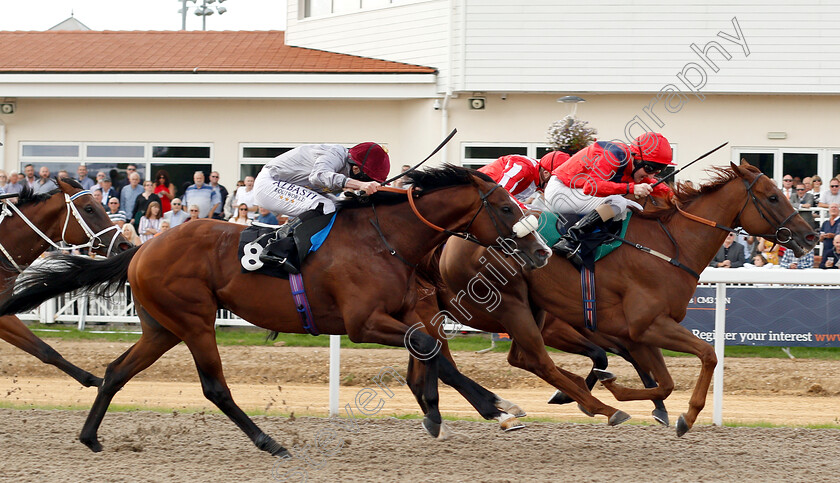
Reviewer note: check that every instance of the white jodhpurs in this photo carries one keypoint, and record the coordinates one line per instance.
(287, 198)
(563, 199)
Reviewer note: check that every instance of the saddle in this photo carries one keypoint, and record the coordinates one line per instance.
(285, 255)
(595, 245)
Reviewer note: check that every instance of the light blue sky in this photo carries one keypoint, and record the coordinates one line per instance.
(140, 15)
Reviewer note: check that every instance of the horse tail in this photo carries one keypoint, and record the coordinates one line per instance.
(64, 273)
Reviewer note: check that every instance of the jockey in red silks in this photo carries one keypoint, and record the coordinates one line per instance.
(596, 179)
(521, 176)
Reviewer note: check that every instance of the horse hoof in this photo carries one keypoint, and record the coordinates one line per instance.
(618, 417)
(603, 375)
(584, 411)
(431, 427)
(682, 425)
(661, 417)
(93, 444)
(282, 453)
(508, 422)
(445, 433)
(510, 408)
(560, 397)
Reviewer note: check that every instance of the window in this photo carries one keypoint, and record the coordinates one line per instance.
(254, 156)
(476, 155)
(764, 161)
(799, 165)
(50, 150)
(321, 8)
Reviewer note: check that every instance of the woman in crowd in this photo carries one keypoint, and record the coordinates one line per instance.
(241, 217)
(4, 180)
(142, 202)
(816, 187)
(150, 222)
(164, 225)
(231, 203)
(130, 234)
(165, 189)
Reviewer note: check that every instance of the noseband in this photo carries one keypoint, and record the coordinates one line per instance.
(94, 239)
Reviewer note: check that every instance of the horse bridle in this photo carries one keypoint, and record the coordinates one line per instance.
(782, 234)
(528, 224)
(94, 239)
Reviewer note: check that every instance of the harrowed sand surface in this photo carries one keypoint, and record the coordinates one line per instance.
(147, 446)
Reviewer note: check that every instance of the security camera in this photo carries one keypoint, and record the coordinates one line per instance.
(436, 105)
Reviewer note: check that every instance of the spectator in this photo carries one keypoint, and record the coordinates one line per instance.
(399, 183)
(758, 261)
(816, 188)
(165, 189)
(245, 194)
(769, 250)
(730, 255)
(202, 195)
(150, 222)
(116, 215)
(97, 195)
(230, 204)
(194, 212)
(108, 191)
(787, 187)
(830, 196)
(831, 258)
(142, 201)
(241, 217)
(99, 177)
(267, 217)
(130, 234)
(13, 186)
(44, 183)
(831, 226)
(62, 173)
(808, 182)
(804, 203)
(83, 178)
(792, 262)
(164, 225)
(29, 176)
(218, 213)
(4, 181)
(176, 215)
(130, 192)
(123, 182)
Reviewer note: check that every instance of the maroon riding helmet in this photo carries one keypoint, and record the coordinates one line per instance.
(372, 159)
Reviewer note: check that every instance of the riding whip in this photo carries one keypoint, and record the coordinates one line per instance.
(440, 146)
(687, 165)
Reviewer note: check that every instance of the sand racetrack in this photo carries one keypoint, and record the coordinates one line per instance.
(179, 442)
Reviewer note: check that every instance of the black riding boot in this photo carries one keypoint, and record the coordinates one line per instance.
(569, 244)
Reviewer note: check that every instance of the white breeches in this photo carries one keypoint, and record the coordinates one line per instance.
(287, 198)
(563, 199)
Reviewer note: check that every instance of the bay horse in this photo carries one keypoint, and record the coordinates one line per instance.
(640, 298)
(358, 283)
(36, 222)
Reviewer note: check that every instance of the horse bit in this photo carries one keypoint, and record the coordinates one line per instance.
(94, 239)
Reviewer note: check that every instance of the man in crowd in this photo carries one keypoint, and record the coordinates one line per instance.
(29, 176)
(804, 202)
(832, 195)
(176, 215)
(830, 227)
(13, 183)
(116, 215)
(130, 192)
(85, 180)
(730, 255)
(123, 182)
(831, 259)
(108, 191)
(267, 217)
(202, 195)
(44, 184)
(245, 194)
(787, 187)
(218, 213)
(789, 260)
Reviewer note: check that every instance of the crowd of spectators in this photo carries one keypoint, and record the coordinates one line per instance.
(145, 209)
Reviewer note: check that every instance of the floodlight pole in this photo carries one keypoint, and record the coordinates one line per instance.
(183, 14)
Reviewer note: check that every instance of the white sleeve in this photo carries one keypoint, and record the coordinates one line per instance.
(328, 163)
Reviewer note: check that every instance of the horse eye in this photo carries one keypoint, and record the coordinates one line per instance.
(88, 209)
(774, 198)
(507, 210)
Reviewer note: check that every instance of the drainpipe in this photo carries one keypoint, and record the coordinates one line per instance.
(3, 147)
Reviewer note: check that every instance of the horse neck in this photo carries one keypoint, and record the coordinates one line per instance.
(413, 239)
(21, 241)
(698, 242)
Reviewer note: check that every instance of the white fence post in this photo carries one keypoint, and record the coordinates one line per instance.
(83, 304)
(720, 339)
(335, 365)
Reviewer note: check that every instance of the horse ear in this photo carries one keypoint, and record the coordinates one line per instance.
(739, 170)
(744, 162)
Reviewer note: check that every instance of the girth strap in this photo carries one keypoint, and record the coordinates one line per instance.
(587, 289)
(302, 303)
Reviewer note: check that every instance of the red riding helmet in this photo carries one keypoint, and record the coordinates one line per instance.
(553, 160)
(372, 159)
(652, 148)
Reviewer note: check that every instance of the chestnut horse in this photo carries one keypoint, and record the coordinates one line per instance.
(36, 222)
(640, 298)
(359, 283)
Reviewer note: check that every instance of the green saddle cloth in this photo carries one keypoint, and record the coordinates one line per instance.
(550, 233)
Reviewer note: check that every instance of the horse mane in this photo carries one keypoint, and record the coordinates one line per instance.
(28, 196)
(684, 194)
(427, 180)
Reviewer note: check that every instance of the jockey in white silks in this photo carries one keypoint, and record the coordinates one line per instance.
(309, 178)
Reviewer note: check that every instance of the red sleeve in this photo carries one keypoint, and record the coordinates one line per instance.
(594, 186)
(515, 177)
